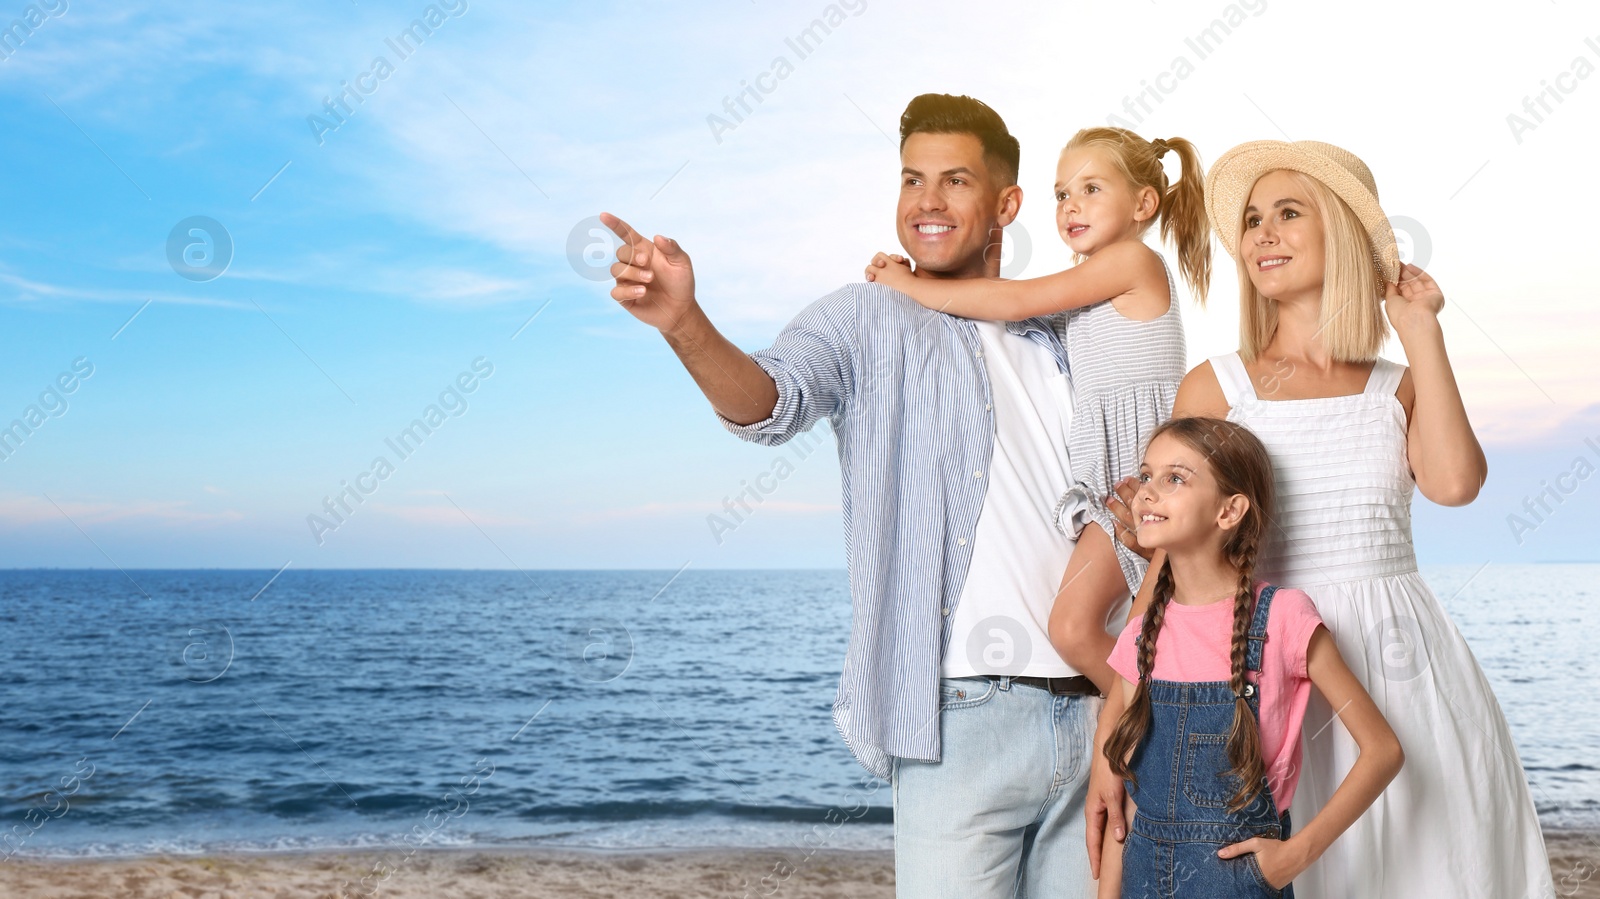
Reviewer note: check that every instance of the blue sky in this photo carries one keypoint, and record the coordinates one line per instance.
(373, 263)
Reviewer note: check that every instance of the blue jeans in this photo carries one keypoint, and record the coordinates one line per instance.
(1000, 815)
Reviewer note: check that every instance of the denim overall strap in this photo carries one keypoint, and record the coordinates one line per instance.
(1258, 629)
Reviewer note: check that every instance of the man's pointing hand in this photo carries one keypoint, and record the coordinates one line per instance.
(655, 279)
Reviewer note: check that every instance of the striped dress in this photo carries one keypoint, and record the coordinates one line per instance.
(1125, 376)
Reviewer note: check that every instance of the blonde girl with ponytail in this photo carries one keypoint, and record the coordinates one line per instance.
(1119, 313)
(1216, 675)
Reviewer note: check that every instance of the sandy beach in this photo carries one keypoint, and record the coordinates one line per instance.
(1575, 862)
(536, 874)
(460, 874)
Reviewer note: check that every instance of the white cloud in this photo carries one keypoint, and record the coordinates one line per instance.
(28, 290)
(17, 511)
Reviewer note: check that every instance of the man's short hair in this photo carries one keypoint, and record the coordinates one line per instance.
(951, 114)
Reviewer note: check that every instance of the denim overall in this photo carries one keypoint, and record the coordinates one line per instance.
(1184, 790)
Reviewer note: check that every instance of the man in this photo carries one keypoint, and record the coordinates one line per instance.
(952, 441)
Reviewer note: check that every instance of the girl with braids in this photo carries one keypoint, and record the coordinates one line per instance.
(1217, 674)
(1119, 321)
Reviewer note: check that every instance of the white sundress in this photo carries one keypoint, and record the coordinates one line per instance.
(1458, 821)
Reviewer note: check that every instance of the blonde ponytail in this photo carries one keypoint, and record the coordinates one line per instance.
(1180, 206)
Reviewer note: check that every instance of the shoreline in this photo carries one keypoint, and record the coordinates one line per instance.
(507, 871)
(494, 871)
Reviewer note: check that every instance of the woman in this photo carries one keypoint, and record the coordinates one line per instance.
(1351, 436)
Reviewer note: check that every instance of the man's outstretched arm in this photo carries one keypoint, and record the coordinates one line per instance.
(655, 283)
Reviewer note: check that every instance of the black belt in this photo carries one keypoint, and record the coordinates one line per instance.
(1077, 685)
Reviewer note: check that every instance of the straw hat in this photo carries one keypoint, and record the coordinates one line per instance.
(1229, 182)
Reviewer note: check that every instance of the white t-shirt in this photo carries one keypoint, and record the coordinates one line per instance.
(1001, 621)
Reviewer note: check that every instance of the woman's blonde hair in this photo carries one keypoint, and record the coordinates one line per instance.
(1180, 206)
(1351, 325)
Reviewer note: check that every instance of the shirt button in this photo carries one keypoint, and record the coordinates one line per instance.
(977, 474)
(988, 406)
(961, 541)
(978, 354)
(946, 611)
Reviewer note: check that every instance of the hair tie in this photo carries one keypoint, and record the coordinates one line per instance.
(1160, 145)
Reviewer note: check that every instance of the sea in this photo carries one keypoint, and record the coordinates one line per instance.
(206, 711)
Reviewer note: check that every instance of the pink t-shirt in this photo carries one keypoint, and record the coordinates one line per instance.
(1193, 646)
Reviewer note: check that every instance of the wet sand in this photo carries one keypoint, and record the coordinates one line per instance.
(541, 873)
(459, 874)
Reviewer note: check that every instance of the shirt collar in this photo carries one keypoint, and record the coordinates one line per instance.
(1041, 330)
(1037, 323)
